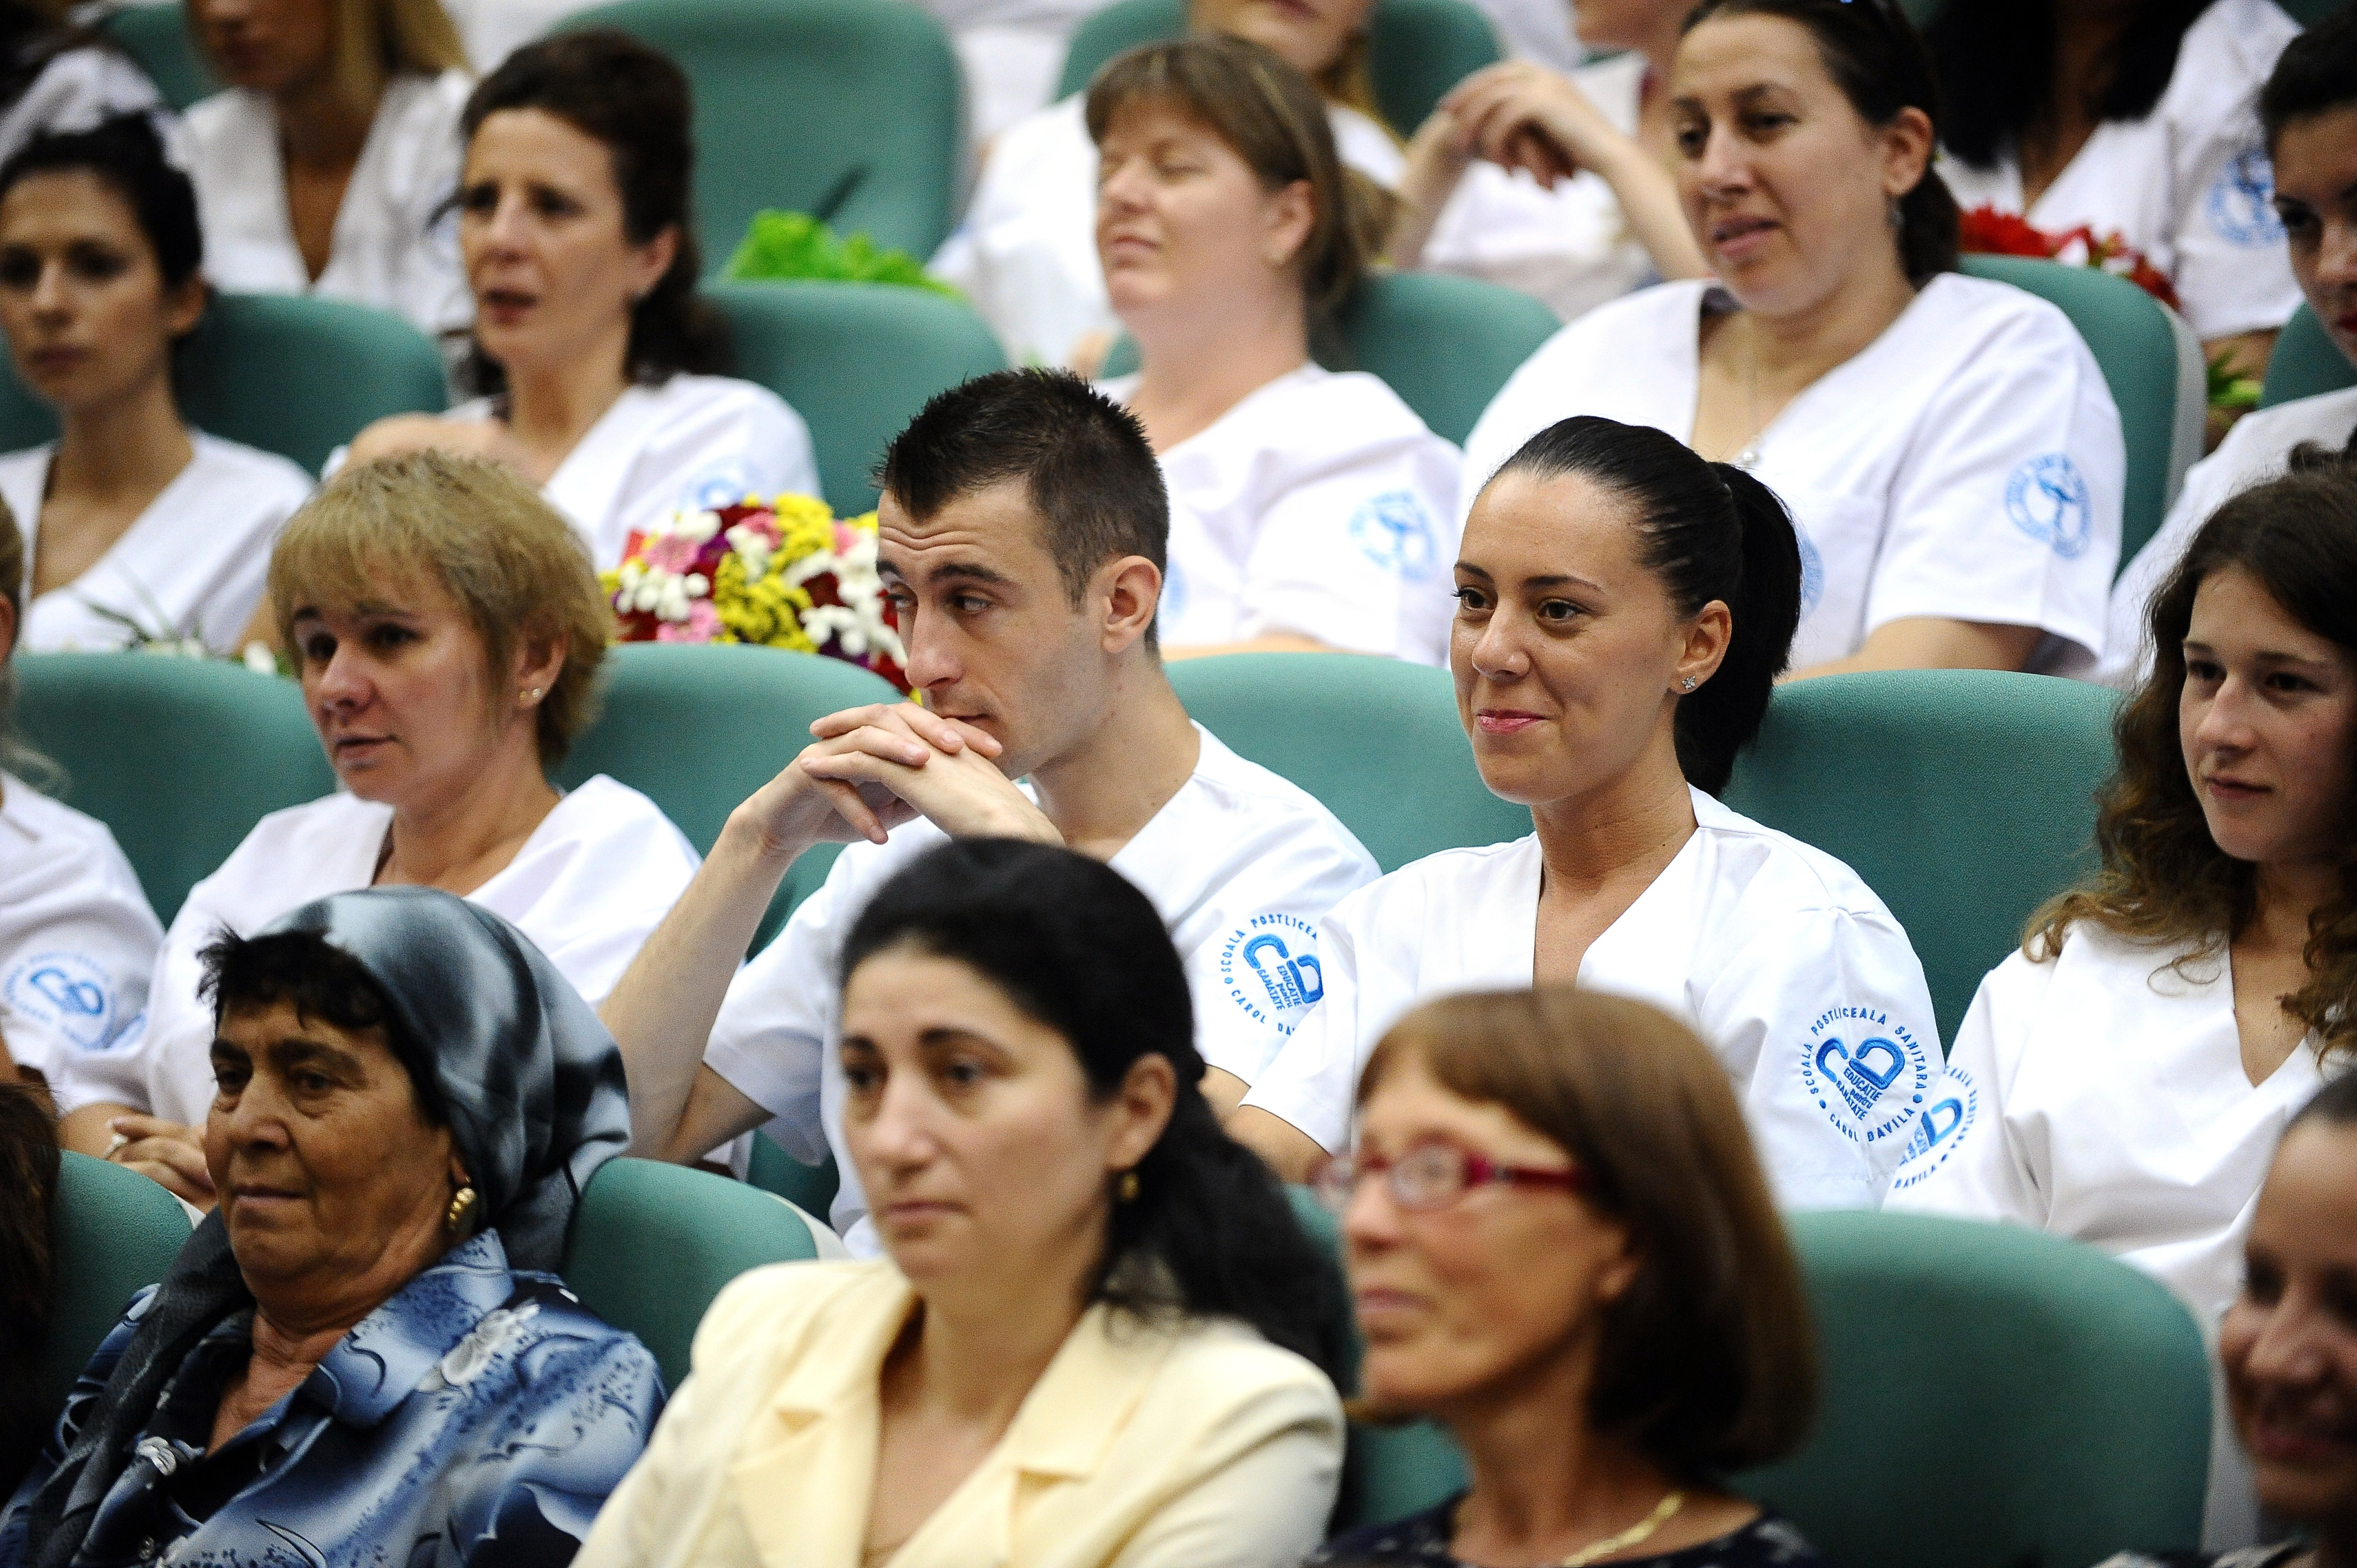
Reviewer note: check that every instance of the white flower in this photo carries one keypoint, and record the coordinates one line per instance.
(698, 585)
(260, 660)
(472, 1357)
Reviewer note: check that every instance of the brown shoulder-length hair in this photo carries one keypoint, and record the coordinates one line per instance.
(2164, 879)
(1708, 1363)
(1274, 119)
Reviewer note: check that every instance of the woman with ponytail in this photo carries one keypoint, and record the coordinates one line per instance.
(1624, 609)
(1098, 1333)
(1951, 456)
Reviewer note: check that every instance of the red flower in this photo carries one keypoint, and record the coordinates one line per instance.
(1985, 230)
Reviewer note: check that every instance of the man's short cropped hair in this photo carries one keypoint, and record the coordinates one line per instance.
(1083, 459)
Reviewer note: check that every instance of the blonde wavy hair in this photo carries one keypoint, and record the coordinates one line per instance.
(372, 41)
(515, 568)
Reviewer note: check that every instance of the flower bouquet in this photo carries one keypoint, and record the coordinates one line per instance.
(781, 571)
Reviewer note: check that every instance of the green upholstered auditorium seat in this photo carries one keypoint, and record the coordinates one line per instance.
(2152, 363)
(1376, 740)
(1964, 797)
(848, 109)
(857, 360)
(292, 374)
(1417, 50)
(653, 1243)
(180, 756)
(2306, 362)
(115, 1233)
(157, 37)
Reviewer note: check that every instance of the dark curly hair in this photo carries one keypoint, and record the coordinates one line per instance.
(2164, 878)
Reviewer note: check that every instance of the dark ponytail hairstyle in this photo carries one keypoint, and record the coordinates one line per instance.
(1072, 944)
(1877, 60)
(608, 85)
(1707, 531)
(124, 154)
(1996, 62)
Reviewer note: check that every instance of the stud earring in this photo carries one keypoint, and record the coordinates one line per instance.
(1126, 1189)
(462, 1204)
(1687, 684)
(532, 694)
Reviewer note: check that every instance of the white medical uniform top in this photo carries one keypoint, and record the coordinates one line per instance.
(1572, 246)
(75, 91)
(77, 937)
(2188, 185)
(2102, 1096)
(1775, 953)
(397, 237)
(194, 563)
(1321, 504)
(588, 887)
(1967, 464)
(1240, 864)
(1026, 254)
(2258, 448)
(693, 441)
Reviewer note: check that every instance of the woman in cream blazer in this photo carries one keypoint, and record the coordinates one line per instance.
(1099, 1338)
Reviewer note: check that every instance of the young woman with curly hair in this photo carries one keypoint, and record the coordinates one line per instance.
(2126, 1077)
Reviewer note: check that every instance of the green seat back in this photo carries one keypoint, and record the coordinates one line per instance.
(2308, 12)
(1444, 344)
(157, 37)
(857, 360)
(1375, 740)
(1964, 797)
(1417, 50)
(1989, 1397)
(2305, 364)
(2152, 364)
(653, 1243)
(292, 374)
(809, 1188)
(115, 1233)
(845, 109)
(180, 756)
(696, 729)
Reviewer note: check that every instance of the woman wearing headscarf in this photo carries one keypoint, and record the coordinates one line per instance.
(360, 1354)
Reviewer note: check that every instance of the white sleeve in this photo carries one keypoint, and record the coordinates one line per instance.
(2008, 509)
(432, 276)
(2233, 269)
(722, 449)
(770, 1040)
(2125, 659)
(1532, 399)
(74, 972)
(1360, 559)
(1312, 1080)
(1830, 1010)
(600, 910)
(159, 1067)
(1965, 1159)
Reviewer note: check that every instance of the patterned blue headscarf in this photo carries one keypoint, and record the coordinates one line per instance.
(529, 1079)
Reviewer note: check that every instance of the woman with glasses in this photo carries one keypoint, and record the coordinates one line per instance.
(1623, 610)
(1947, 445)
(1561, 1248)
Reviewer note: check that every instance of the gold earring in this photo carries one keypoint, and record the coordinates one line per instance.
(462, 1204)
(1126, 1189)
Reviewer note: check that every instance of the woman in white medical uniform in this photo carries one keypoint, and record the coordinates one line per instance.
(2309, 111)
(447, 632)
(591, 349)
(1624, 609)
(77, 937)
(2133, 119)
(1307, 509)
(58, 77)
(327, 167)
(134, 523)
(2123, 1079)
(1950, 452)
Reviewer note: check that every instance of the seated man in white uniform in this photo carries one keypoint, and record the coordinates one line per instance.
(2134, 120)
(2309, 110)
(1951, 455)
(77, 937)
(1624, 609)
(1023, 529)
(136, 525)
(590, 343)
(1307, 509)
(2123, 1079)
(447, 632)
(329, 164)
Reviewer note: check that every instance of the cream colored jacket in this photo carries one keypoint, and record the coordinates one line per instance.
(1205, 1447)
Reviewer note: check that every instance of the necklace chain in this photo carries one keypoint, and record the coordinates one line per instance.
(1643, 1529)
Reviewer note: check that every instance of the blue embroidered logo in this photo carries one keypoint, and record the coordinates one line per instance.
(1269, 965)
(1940, 1131)
(1813, 568)
(2241, 200)
(725, 483)
(1392, 531)
(1871, 1078)
(2047, 499)
(66, 993)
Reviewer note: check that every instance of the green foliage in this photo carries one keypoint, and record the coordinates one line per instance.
(795, 246)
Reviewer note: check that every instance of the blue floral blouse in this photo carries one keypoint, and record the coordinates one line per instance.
(478, 1417)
